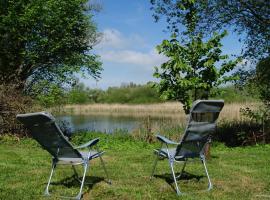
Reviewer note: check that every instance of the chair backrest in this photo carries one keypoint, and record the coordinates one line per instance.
(202, 123)
(43, 128)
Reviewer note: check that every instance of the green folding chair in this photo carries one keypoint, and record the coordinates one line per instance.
(45, 131)
(201, 124)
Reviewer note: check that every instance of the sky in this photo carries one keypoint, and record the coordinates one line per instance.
(127, 47)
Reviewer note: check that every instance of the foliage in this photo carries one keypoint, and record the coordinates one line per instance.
(239, 133)
(232, 94)
(128, 93)
(247, 82)
(48, 94)
(133, 94)
(51, 95)
(180, 15)
(191, 72)
(96, 95)
(12, 102)
(249, 17)
(46, 40)
(261, 116)
(261, 80)
(79, 94)
(117, 139)
(151, 126)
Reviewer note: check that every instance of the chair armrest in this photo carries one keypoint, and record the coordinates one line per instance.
(165, 140)
(88, 144)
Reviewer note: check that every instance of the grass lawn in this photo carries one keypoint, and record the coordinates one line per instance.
(236, 173)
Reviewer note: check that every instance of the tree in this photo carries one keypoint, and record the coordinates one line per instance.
(49, 94)
(46, 40)
(256, 82)
(249, 17)
(190, 73)
(262, 80)
(261, 115)
(79, 94)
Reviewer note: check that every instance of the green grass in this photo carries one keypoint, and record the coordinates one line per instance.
(237, 173)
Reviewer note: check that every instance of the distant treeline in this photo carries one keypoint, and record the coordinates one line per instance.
(127, 93)
(233, 94)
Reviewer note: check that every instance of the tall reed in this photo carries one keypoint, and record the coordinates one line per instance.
(171, 110)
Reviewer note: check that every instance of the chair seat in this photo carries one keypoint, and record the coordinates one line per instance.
(93, 154)
(163, 153)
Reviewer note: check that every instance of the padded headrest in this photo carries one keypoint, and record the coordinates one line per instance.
(30, 119)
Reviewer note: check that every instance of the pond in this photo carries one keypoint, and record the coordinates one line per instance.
(108, 123)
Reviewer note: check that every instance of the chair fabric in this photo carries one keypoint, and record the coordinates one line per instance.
(201, 125)
(45, 131)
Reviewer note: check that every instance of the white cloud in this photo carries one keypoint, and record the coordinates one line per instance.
(116, 47)
(114, 39)
(149, 59)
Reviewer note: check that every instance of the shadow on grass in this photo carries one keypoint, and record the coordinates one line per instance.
(214, 156)
(184, 176)
(73, 181)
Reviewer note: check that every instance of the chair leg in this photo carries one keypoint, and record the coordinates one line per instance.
(171, 162)
(50, 178)
(155, 162)
(210, 186)
(154, 167)
(82, 182)
(183, 168)
(104, 167)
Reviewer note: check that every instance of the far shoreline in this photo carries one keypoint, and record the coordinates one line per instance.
(230, 112)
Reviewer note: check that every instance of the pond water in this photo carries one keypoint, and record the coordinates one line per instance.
(109, 124)
(106, 124)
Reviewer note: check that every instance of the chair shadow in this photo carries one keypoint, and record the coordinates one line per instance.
(72, 181)
(214, 156)
(185, 176)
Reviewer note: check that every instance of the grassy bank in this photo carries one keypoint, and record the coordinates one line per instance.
(237, 173)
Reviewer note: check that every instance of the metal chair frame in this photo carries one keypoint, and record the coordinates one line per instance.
(85, 163)
(172, 159)
(37, 122)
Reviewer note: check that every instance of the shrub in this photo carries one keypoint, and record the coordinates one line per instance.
(12, 102)
(239, 133)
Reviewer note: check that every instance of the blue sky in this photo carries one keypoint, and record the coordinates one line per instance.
(127, 48)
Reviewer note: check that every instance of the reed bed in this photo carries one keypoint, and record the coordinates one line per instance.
(170, 120)
(173, 110)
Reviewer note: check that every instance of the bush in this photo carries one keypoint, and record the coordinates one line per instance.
(232, 94)
(49, 94)
(131, 94)
(12, 102)
(239, 133)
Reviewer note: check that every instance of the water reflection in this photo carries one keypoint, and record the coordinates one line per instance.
(106, 124)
